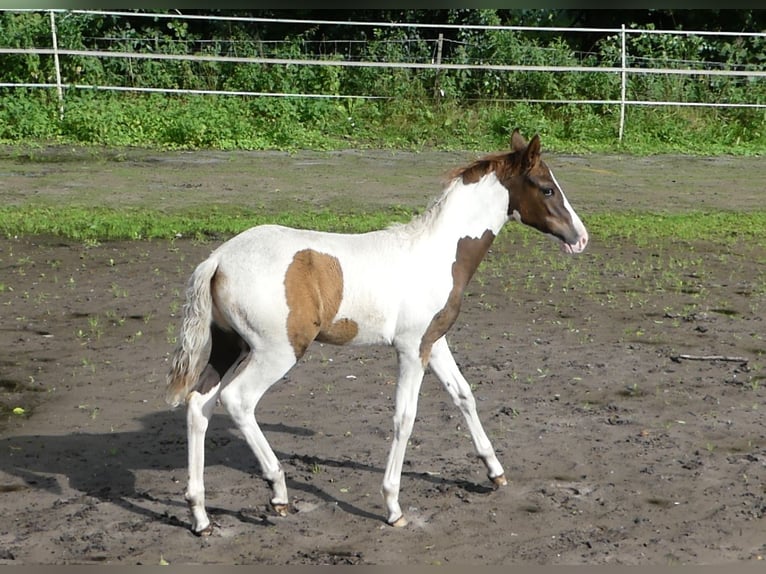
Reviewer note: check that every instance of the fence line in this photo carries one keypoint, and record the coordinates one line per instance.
(624, 70)
(358, 64)
(381, 24)
(181, 91)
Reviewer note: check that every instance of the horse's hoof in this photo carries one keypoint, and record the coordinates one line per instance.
(205, 532)
(399, 522)
(280, 509)
(499, 481)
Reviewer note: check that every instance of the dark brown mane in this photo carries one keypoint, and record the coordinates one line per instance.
(474, 171)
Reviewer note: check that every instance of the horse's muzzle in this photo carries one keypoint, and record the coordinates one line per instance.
(578, 246)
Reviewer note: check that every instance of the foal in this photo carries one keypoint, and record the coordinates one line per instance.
(258, 301)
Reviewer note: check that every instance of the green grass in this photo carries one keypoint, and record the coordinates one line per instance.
(101, 224)
(413, 123)
(694, 226)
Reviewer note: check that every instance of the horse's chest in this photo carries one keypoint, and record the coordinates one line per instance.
(382, 304)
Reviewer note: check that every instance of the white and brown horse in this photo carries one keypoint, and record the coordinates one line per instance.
(260, 299)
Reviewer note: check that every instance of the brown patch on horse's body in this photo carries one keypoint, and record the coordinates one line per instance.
(469, 253)
(340, 332)
(314, 291)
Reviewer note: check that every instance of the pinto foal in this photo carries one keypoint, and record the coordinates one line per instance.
(258, 301)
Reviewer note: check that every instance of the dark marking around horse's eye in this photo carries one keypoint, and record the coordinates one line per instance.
(548, 191)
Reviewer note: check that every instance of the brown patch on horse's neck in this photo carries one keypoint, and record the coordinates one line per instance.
(469, 253)
(314, 291)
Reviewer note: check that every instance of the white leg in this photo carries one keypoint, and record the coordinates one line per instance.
(240, 398)
(443, 365)
(408, 387)
(199, 409)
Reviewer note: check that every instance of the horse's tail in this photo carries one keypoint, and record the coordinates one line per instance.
(189, 357)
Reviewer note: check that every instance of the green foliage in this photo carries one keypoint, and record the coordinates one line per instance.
(268, 123)
(448, 109)
(27, 116)
(25, 31)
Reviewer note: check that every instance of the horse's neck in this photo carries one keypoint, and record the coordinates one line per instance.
(470, 210)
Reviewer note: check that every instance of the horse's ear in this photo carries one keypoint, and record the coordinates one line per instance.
(532, 153)
(518, 142)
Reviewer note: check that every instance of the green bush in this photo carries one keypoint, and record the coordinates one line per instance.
(450, 109)
(27, 115)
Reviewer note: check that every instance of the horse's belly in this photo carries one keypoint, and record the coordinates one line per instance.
(374, 320)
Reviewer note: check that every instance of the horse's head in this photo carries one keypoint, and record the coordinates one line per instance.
(535, 197)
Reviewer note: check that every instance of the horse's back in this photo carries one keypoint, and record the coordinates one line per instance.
(271, 249)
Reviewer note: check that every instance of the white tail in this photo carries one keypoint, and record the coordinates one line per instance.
(188, 359)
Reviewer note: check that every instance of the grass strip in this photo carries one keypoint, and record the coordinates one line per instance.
(104, 224)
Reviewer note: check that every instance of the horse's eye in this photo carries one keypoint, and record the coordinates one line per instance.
(547, 191)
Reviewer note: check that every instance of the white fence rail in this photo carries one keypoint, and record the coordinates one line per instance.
(697, 69)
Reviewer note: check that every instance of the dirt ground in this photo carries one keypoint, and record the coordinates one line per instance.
(618, 449)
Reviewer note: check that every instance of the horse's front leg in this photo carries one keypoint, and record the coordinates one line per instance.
(444, 367)
(408, 387)
(199, 409)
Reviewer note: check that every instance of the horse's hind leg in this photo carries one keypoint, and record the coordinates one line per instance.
(443, 365)
(199, 409)
(259, 371)
(227, 350)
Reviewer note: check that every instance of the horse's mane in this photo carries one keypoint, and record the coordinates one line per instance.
(474, 171)
(467, 174)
